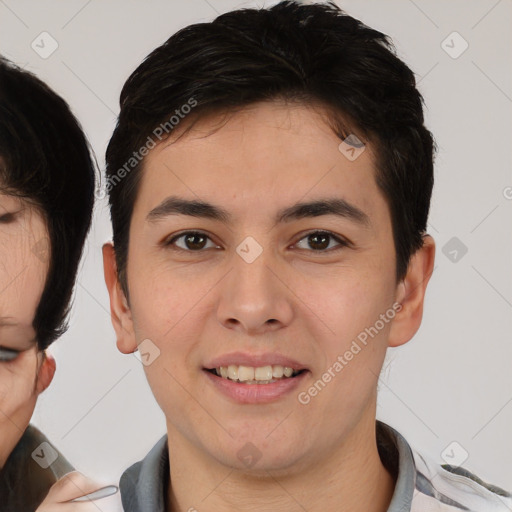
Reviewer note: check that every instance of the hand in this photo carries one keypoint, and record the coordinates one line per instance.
(75, 485)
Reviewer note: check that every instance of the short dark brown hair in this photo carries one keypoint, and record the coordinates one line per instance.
(314, 54)
(47, 161)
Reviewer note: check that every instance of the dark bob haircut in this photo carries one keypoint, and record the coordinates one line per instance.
(46, 161)
(310, 54)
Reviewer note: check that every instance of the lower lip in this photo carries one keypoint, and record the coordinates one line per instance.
(255, 393)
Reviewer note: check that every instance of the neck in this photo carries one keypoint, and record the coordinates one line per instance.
(350, 478)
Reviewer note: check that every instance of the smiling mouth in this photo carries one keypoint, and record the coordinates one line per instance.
(251, 375)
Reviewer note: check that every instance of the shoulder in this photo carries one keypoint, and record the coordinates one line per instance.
(31, 469)
(143, 484)
(423, 485)
(455, 488)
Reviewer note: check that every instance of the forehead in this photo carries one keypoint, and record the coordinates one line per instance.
(24, 249)
(270, 151)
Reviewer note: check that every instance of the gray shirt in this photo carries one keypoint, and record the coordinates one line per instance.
(421, 485)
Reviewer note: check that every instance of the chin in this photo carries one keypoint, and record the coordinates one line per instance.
(258, 454)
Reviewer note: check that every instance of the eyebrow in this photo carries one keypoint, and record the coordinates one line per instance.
(173, 205)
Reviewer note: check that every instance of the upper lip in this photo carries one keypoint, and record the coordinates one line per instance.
(254, 360)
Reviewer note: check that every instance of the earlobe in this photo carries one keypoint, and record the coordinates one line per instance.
(119, 310)
(411, 294)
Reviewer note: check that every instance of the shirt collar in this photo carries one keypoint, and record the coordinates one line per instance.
(144, 485)
(397, 457)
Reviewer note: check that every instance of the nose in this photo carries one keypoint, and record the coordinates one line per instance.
(253, 298)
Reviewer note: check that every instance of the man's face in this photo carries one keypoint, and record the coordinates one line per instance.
(24, 248)
(253, 284)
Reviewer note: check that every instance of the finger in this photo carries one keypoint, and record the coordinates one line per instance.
(71, 486)
(72, 507)
(103, 492)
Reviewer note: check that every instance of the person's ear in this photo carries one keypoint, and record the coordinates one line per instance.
(119, 309)
(411, 294)
(46, 372)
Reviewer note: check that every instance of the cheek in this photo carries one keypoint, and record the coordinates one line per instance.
(344, 314)
(164, 313)
(169, 309)
(17, 387)
(6, 384)
(158, 304)
(164, 300)
(346, 302)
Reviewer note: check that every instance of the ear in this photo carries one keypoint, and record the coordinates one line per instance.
(45, 373)
(411, 294)
(119, 309)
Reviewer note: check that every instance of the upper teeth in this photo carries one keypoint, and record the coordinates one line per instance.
(249, 373)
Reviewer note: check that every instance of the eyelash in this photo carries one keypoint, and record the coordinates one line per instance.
(8, 354)
(341, 243)
(7, 218)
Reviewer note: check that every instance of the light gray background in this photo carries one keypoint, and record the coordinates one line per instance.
(453, 381)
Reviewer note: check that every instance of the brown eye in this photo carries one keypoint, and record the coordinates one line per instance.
(6, 218)
(195, 241)
(321, 241)
(192, 241)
